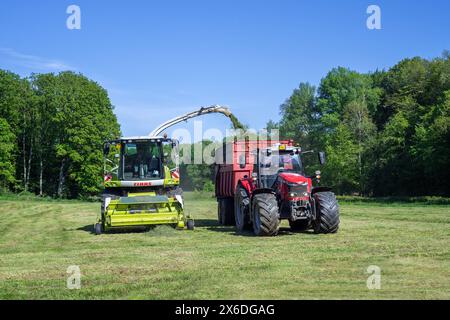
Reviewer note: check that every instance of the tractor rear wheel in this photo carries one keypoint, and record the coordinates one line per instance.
(299, 225)
(327, 213)
(266, 221)
(242, 209)
(225, 211)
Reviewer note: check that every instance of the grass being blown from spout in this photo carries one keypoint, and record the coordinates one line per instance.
(236, 123)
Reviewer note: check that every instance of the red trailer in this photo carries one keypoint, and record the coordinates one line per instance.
(258, 183)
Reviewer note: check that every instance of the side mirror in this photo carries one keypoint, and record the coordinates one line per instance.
(322, 158)
(106, 148)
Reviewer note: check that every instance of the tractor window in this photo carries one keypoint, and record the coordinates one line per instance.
(273, 163)
(290, 162)
(142, 161)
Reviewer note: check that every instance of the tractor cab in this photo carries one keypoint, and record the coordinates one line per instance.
(271, 162)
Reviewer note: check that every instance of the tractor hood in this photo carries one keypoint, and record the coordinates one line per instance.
(294, 178)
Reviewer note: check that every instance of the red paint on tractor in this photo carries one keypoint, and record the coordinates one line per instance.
(295, 178)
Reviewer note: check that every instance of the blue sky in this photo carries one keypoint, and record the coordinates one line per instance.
(158, 59)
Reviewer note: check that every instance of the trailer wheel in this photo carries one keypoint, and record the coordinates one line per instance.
(266, 221)
(299, 225)
(242, 209)
(98, 228)
(225, 211)
(327, 213)
(190, 225)
(219, 211)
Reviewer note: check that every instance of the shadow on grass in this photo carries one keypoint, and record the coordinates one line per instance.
(208, 224)
(213, 225)
(90, 229)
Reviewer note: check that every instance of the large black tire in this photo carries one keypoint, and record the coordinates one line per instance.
(242, 209)
(266, 220)
(327, 213)
(225, 211)
(219, 211)
(98, 228)
(190, 225)
(300, 225)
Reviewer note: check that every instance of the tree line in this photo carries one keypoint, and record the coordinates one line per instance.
(52, 129)
(385, 132)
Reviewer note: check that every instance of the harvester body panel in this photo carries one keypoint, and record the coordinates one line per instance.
(143, 210)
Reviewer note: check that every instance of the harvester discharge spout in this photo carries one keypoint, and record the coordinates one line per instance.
(202, 111)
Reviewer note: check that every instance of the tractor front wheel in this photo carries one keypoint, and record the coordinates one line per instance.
(266, 221)
(241, 209)
(327, 213)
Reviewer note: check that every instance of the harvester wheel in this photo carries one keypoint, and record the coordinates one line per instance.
(266, 221)
(242, 209)
(299, 225)
(98, 228)
(327, 213)
(190, 224)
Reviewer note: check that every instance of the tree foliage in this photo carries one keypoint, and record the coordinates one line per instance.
(386, 133)
(60, 122)
(7, 145)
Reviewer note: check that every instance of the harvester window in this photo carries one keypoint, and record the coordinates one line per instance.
(170, 159)
(168, 155)
(142, 161)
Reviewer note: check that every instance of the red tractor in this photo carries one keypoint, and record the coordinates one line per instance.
(261, 186)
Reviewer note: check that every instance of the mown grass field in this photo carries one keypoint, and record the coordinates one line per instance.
(39, 239)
